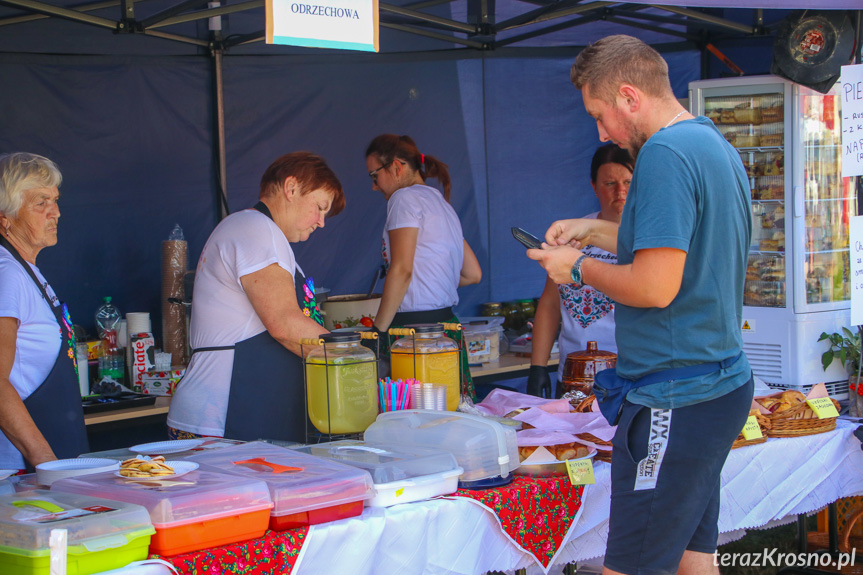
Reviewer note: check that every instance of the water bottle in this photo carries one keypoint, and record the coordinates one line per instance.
(111, 362)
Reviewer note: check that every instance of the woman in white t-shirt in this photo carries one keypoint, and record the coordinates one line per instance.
(425, 252)
(583, 314)
(41, 417)
(251, 306)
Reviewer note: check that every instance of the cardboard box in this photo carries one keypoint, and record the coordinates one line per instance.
(162, 382)
(143, 358)
(93, 349)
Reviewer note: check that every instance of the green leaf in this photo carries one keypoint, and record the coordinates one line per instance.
(826, 359)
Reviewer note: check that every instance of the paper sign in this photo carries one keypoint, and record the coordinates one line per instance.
(856, 256)
(823, 407)
(580, 471)
(851, 94)
(751, 430)
(339, 24)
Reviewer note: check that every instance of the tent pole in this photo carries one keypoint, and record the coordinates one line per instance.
(222, 184)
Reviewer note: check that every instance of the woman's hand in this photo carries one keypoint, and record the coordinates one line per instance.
(403, 247)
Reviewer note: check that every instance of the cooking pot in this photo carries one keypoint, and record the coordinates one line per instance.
(351, 310)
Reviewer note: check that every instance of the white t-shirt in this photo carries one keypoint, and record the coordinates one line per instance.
(222, 315)
(38, 340)
(586, 313)
(440, 246)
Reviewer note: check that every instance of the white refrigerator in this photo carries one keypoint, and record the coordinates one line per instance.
(797, 280)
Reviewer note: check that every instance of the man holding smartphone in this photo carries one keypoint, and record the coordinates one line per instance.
(682, 246)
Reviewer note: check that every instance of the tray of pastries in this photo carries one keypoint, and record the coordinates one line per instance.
(550, 459)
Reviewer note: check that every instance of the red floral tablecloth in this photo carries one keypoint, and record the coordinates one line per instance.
(273, 554)
(535, 511)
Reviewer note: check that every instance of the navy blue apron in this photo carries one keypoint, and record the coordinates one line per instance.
(55, 406)
(266, 399)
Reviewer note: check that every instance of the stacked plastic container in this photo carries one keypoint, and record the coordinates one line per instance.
(101, 534)
(401, 474)
(305, 490)
(485, 449)
(194, 511)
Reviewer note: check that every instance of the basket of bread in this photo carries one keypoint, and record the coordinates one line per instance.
(790, 415)
(548, 460)
(763, 423)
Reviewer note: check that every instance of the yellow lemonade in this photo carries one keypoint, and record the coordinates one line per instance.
(352, 399)
(441, 367)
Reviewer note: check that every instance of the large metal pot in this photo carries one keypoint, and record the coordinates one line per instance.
(350, 310)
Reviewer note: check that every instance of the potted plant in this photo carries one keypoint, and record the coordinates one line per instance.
(845, 347)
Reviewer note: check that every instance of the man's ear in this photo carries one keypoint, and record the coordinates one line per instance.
(630, 96)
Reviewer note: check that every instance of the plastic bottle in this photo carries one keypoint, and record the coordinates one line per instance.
(111, 363)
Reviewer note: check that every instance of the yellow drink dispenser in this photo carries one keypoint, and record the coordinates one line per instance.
(429, 356)
(341, 384)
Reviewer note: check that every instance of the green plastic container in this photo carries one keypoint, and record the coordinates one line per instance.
(101, 534)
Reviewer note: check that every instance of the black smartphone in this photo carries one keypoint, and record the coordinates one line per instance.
(527, 239)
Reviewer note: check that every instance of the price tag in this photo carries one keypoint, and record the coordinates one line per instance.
(751, 430)
(580, 472)
(400, 492)
(823, 407)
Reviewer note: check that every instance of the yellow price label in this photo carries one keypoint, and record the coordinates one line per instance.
(400, 491)
(580, 471)
(823, 407)
(751, 430)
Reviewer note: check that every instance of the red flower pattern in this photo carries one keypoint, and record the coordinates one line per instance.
(535, 511)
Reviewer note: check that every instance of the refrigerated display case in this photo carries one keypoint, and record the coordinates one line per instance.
(797, 280)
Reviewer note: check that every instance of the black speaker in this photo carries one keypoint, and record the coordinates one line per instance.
(811, 46)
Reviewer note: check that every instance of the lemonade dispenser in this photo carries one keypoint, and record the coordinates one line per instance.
(429, 356)
(341, 383)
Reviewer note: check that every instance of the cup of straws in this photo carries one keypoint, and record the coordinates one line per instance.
(411, 394)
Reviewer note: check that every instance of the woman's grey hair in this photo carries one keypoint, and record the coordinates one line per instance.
(19, 172)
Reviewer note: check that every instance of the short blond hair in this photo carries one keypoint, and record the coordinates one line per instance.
(20, 172)
(604, 65)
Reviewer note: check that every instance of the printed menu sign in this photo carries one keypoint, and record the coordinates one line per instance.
(856, 242)
(851, 92)
(339, 24)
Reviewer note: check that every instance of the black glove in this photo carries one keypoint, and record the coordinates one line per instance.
(538, 382)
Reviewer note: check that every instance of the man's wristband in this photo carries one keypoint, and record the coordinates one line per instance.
(575, 273)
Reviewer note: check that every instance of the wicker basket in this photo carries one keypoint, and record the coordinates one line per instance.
(800, 420)
(763, 423)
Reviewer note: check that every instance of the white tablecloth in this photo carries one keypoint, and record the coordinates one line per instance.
(762, 485)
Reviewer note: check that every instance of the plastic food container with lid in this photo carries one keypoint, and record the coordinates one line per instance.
(485, 449)
(341, 384)
(401, 474)
(101, 534)
(305, 490)
(482, 338)
(430, 357)
(194, 511)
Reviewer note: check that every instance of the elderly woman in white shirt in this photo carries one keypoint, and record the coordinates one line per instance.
(426, 254)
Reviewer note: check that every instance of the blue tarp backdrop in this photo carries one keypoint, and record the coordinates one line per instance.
(134, 137)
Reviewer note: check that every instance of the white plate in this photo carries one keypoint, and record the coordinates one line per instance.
(163, 447)
(4, 473)
(50, 471)
(180, 468)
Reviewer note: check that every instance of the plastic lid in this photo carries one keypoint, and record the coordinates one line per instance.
(385, 463)
(341, 337)
(26, 519)
(426, 327)
(195, 496)
(297, 482)
(482, 447)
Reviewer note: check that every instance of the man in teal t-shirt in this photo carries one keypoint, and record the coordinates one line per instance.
(682, 248)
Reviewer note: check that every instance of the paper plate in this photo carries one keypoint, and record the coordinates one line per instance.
(163, 447)
(550, 468)
(50, 471)
(4, 473)
(180, 468)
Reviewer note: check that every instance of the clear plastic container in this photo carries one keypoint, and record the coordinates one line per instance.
(430, 357)
(401, 475)
(341, 384)
(305, 490)
(195, 511)
(101, 534)
(482, 336)
(485, 449)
